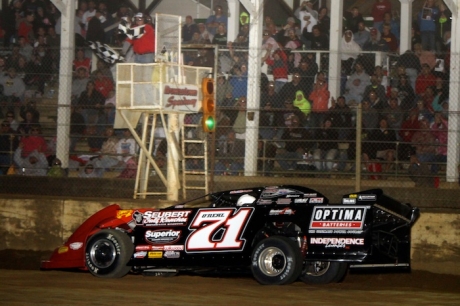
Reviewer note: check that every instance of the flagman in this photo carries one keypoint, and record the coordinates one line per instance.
(144, 44)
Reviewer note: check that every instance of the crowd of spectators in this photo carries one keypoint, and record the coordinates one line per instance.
(298, 118)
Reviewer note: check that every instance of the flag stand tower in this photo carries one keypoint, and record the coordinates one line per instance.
(167, 90)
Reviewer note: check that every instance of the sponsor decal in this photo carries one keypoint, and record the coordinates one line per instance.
(63, 249)
(310, 195)
(283, 201)
(311, 231)
(271, 193)
(173, 247)
(218, 230)
(293, 196)
(149, 248)
(162, 236)
(75, 245)
(339, 243)
(141, 254)
(240, 191)
(316, 200)
(155, 254)
(348, 201)
(367, 197)
(301, 200)
(353, 196)
(124, 213)
(162, 218)
(338, 217)
(264, 202)
(286, 211)
(171, 254)
(324, 231)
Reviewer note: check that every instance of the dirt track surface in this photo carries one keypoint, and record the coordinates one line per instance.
(32, 286)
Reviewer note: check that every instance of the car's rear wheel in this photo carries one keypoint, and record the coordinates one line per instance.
(323, 272)
(107, 254)
(276, 261)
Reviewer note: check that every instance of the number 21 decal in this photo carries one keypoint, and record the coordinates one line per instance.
(218, 230)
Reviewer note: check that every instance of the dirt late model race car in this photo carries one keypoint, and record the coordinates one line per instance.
(280, 233)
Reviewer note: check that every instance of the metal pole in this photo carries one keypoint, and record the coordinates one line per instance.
(359, 118)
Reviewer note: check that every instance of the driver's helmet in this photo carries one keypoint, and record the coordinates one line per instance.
(245, 199)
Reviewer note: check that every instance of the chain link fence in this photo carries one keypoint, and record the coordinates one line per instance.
(303, 132)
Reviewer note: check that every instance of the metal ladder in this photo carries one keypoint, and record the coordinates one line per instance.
(202, 146)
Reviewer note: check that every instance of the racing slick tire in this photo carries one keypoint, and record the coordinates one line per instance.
(107, 254)
(323, 272)
(276, 260)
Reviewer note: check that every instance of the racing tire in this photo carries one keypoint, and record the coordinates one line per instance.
(323, 272)
(107, 254)
(276, 260)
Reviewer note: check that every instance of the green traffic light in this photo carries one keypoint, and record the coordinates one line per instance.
(210, 123)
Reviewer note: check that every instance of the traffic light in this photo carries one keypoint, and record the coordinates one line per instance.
(209, 105)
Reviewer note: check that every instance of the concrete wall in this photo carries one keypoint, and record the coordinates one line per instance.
(42, 224)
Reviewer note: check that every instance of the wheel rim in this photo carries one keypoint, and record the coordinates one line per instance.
(272, 261)
(103, 253)
(318, 268)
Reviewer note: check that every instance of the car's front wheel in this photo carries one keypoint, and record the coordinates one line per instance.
(276, 260)
(107, 254)
(323, 272)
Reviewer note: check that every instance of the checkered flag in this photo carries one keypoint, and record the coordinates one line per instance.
(132, 33)
(106, 53)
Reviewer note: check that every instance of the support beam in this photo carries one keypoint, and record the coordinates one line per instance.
(335, 38)
(65, 80)
(152, 6)
(233, 26)
(255, 9)
(406, 26)
(453, 149)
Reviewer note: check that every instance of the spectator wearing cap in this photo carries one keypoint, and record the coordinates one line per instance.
(362, 35)
(188, 29)
(13, 90)
(144, 46)
(375, 43)
(213, 21)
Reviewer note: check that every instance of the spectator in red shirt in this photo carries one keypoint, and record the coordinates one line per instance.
(144, 46)
(26, 27)
(103, 84)
(379, 9)
(425, 79)
(279, 66)
(81, 61)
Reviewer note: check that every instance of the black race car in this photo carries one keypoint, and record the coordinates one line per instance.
(280, 233)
